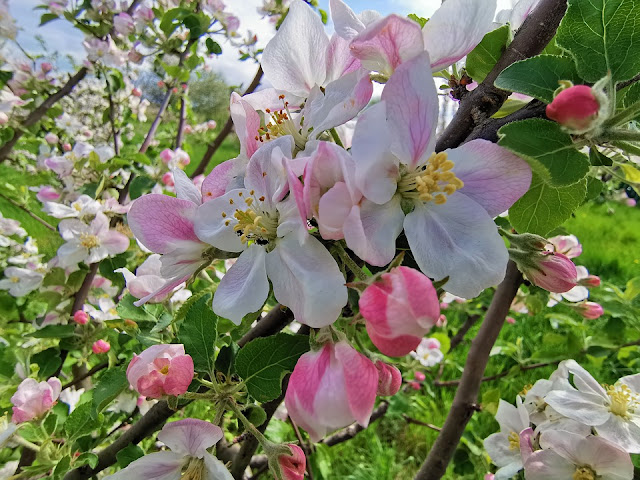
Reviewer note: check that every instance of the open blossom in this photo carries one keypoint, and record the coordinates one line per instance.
(275, 246)
(568, 245)
(82, 207)
(449, 197)
(428, 352)
(331, 388)
(147, 280)
(161, 370)
(175, 159)
(20, 281)
(188, 441)
(89, 243)
(399, 309)
(123, 23)
(516, 16)
(33, 399)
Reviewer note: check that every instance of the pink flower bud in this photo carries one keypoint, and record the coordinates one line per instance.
(331, 388)
(293, 466)
(167, 179)
(161, 370)
(174, 89)
(442, 321)
(414, 385)
(389, 379)
(589, 310)
(46, 67)
(631, 202)
(100, 346)
(399, 309)
(591, 281)
(123, 23)
(136, 92)
(47, 193)
(166, 155)
(489, 476)
(575, 108)
(80, 317)
(188, 129)
(419, 376)
(161, 84)
(67, 147)
(555, 273)
(211, 124)
(51, 138)
(134, 56)
(511, 320)
(4, 118)
(33, 399)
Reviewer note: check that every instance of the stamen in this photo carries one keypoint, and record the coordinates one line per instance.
(623, 400)
(434, 182)
(514, 441)
(89, 241)
(584, 473)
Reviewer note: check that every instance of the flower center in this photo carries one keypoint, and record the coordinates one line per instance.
(281, 124)
(514, 441)
(623, 400)
(89, 241)
(253, 224)
(15, 279)
(77, 206)
(584, 473)
(195, 470)
(432, 182)
(164, 370)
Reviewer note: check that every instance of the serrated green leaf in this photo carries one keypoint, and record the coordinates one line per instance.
(111, 384)
(263, 362)
(213, 47)
(550, 151)
(545, 207)
(86, 458)
(538, 76)
(80, 422)
(198, 334)
(61, 468)
(483, 58)
(144, 313)
(48, 360)
(128, 454)
(602, 36)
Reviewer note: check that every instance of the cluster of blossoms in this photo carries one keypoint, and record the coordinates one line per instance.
(569, 426)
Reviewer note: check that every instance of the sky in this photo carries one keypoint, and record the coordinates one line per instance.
(59, 35)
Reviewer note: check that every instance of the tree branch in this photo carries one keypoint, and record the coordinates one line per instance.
(274, 321)
(462, 331)
(29, 212)
(486, 99)
(156, 122)
(464, 402)
(453, 383)
(183, 117)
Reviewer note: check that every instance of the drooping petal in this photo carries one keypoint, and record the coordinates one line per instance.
(295, 59)
(412, 111)
(387, 43)
(455, 29)
(377, 168)
(244, 288)
(157, 221)
(583, 407)
(190, 436)
(458, 240)
(214, 221)
(215, 469)
(155, 466)
(339, 59)
(494, 177)
(307, 279)
(246, 122)
(163, 290)
(185, 189)
(371, 230)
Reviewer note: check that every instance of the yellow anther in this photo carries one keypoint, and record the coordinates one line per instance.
(514, 441)
(89, 241)
(164, 370)
(623, 400)
(14, 280)
(434, 182)
(584, 473)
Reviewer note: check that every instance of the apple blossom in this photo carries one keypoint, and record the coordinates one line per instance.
(83, 206)
(45, 193)
(100, 346)
(389, 379)
(51, 138)
(147, 280)
(516, 16)
(20, 281)
(568, 245)
(292, 467)
(399, 309)
(552, 271)
(188, 441)
(175, 159)
(428, 352)
(123, 23)
(161, 370)
(331, 388)
(81, 317)
(33, 399)
(589, 310)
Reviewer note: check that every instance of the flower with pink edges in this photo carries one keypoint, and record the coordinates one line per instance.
(33, 399)
(161, 370)
(331, 388)
(428, 352)
(568, 245)
(588, 310)
(292, 467)
(554, 272)
(147, 280)
(100, 346)
(389, 379)
(399, 309)
(81, 317)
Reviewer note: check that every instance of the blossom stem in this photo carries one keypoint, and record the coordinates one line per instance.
(336, 137)
(233, 406)
(625, 116)
(25, 443)
(348, 261)
(619, 134)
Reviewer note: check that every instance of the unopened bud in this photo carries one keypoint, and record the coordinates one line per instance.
(590, 282)
(292, 467)
(80, 317)
(389, 379)
(100, 346)
(588, 310)
(575, 108)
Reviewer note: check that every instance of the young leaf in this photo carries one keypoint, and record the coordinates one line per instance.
(263, 362)
(80, 422)
(111, 384)
(198, 334)
(602, 36)
(482, 59)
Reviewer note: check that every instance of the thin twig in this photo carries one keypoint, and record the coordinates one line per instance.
(112, 118)
(29, 212)
(415, 421)
(462, 331)
(453, 383)
(87, 374)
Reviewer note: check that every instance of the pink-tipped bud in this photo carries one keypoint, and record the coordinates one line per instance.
(293, 466)
(590, 282)
(588, 310)
(100, 346)
(174, 89)
(136, 92)
(188, 129)
(414, 385)
(166, 155)
(442, 321)
(51, 138)
(511, 320)
(554, 272)
(161, 84)
(389, 379)
(80, 317)
(167, 179)
(575, 108)
(67, 147)
(631, 202)
(489, 476)
(46, 67)
(419, 376)
(211, 124)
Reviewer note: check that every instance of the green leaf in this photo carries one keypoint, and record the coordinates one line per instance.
(86, 458)
(226, 359)
(48, 360)
(545, 207)
(48, 17)
(80, 422)
(54, 331)
(323, 16)
(128, 454)
(538, 76)
(61, 468)
(419, 20)
(198, 334)
(213, 47)
(5, 76)
(599, 159)
(168, 23)
(6, 134)
(140, 185)
(633, 289)
(111, 384)
(602, 36)
(145, 313)
(483, 58)
(550, 151)
(263, 362)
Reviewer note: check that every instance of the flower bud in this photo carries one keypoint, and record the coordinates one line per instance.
(100, 346)
(80, 317)
(46, 67)
(33, 399)
(414, 385)
(575, 108)
(161, 370)
(511, 320)
(591, 281)
(136, 92)
(399, 309)
(67, 147)
(588, 310)
(51, 138)
(167, 179)
(292, 467)
(389, 379)
(554, 272)
(419, 376)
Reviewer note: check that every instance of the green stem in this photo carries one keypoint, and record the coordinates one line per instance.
(627, 147)
(25, 443)
(348, 261)
(623, 135)
(336, 137)
(624, 116)
(233, 406)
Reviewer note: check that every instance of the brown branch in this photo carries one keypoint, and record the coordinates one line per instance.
(274, 321)
(41, 110)
(453, 383)
(462, 331)
(415, 421)
(182, 119)
(464, 402)
(226, 130)
(486, 99)
(87, 374)
(156, 123)
(112, 118)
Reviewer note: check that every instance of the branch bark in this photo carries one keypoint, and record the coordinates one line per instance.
(535, 33)
(464, 402)
(41, 110)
